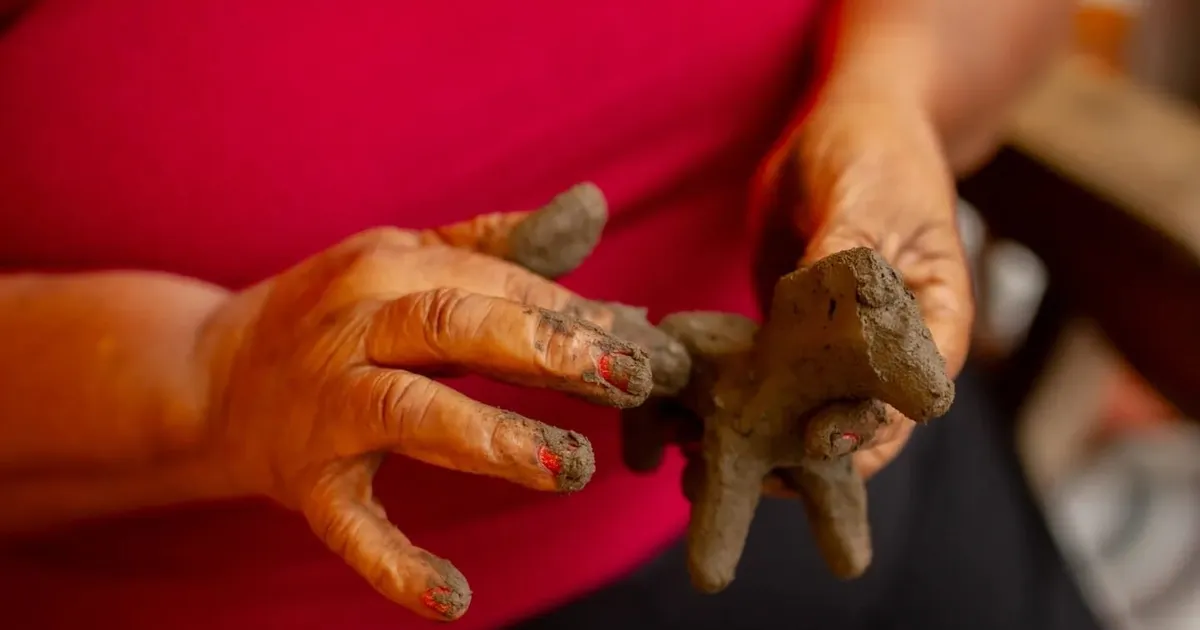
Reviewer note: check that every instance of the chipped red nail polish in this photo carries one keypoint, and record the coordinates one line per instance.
(436, 600)
(615, 370)
(549, 460)
(845, 443)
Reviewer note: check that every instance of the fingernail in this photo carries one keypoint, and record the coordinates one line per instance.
(549, 460)
(451, 596)
(568, 456)
(625, 373)
(844, 443)
(445, 601)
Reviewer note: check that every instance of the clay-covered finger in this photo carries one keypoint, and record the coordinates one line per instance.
(835, 499)
(415, 416)
(514, 342)
(670, 363)
(551, 241)
(341, 511)
(839, 429)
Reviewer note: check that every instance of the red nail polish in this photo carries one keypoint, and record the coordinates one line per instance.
(845, 443)
(614, 370)
(549, 460)
(435, 600)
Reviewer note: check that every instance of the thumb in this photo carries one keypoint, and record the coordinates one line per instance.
(343, 513)
(550, 242)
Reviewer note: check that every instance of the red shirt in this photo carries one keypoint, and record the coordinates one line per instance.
(227, 139)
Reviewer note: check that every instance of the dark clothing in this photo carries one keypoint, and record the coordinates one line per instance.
(959, 544)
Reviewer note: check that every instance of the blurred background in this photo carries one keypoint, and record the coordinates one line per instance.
(1085, 235)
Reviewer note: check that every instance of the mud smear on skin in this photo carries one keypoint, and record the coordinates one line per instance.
(576, 461)
(669, 363)
(627, 365)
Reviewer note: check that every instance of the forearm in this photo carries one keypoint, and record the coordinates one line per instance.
(965, 61)
(101, 402)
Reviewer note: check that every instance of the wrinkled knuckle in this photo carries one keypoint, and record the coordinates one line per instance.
(387, 236)
(328, 523)
(401, 401)
(525, 287)
(371, 239)
(441, 307)
(518, 288)
(376, 247)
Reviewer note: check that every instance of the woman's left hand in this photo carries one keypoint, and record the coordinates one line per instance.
(872, 172)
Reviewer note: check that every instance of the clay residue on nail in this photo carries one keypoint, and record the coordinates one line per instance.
(575, 452)
(623, 374)
(621, 370)
(448, 594)
(670, 364)
(556, 239)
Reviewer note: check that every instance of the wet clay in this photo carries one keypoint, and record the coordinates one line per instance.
(622, 371)
(557, 238)
(575, 452)
(452, 596)
(794, 398)
(574, 461)
(670, 363)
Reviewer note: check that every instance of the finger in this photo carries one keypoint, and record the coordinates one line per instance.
(447, 267)
(477, 273)
(889, 440)
(842, 428)
(948, 308)
(513, 342)
(550, 242)
(343, 513)
(868, 431)
(450, 267)
(423, 419)
(670, 363)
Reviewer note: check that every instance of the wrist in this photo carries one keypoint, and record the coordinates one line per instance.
(893, 54)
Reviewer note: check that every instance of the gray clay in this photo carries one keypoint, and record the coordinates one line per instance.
(794, 398)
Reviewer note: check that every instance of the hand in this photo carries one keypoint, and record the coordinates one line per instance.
(871, 172)
(319, 372)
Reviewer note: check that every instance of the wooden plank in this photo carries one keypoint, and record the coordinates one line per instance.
(1102, 180)
(1133, 147)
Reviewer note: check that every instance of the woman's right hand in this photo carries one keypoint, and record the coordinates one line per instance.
(315, 375)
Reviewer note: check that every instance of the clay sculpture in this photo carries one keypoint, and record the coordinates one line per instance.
(794, 398)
